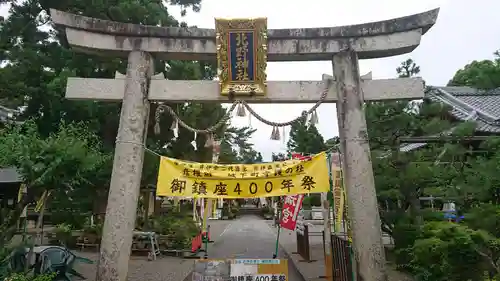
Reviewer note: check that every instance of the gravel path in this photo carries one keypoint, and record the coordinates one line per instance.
(140, 269)
(163, 269)
(246, 237)
(249, 237)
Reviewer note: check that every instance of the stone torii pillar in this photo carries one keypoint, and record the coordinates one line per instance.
(344, 45)
(358, 172)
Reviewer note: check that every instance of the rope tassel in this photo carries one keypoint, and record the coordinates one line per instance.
(193, 143)
(275, 135)
(314, 118)
(158, 112)
(175, 128)
(240, 112)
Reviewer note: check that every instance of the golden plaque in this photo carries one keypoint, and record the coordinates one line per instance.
(241, 56)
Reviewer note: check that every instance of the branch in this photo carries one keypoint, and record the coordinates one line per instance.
(386, 226)
(8, 227)
(489, 258)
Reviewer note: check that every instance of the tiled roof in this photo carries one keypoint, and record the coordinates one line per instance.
(468, 104)
(9, 115)
(6, 113)
(465, 100)
(9, 175)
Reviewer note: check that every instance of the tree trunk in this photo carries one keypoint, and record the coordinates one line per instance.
(39, 225)
(8, 227)
(415, 209)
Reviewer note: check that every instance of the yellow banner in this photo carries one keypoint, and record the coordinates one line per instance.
(41, 202)
(348, 221)
(207, 180)
(338, 199)
(22, 189)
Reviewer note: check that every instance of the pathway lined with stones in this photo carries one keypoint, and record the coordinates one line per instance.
(246, 237)
(249, 237)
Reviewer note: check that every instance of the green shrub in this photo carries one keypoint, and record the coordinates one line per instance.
(404, 235)
(63, 233)
(306, 203)
(95, 229)
(313, 200)
(181, 229)
(445, 251)
(235, 210)
(25, 277)
(266, 210)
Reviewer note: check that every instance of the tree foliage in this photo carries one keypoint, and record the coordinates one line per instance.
(426, 244)
(483, 74)
(67, 162)
(305, 138)
(36, 61)
(333, 143)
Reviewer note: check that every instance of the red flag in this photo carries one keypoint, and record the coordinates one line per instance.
(291, 208)
(300, 157)
(293, 203)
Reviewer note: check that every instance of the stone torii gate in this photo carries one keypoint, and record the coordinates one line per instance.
(342, 45)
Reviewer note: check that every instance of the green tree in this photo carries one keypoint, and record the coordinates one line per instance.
(402, 177)
(37, 62)
(399, 182)
(408, 68)
(333, 143)
(64, 162)
(483, 74)
(239, 138)
(425, 244)
(305, 138)
(442, 252)
(251, 157)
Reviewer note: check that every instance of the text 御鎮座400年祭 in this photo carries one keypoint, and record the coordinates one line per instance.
(207, 180)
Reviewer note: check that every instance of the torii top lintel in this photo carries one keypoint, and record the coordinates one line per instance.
(370, 40)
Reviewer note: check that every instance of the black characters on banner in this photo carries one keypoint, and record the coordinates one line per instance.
(177, 178)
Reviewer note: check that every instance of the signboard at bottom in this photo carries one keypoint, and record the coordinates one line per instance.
(259, 277)
(241, 270)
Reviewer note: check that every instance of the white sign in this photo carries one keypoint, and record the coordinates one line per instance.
(259, 277)
(256, 261)
(213, 278)
(299, 227)
(317, 215)
(238, 269)
(269, 277)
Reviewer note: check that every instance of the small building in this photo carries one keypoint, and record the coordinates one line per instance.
(9, 116)
(482, 107)
(467, 104)
(10, 182)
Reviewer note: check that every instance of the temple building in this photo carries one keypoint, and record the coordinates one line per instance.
(467, 104)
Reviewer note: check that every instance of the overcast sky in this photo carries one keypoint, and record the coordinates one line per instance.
(465, 30)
